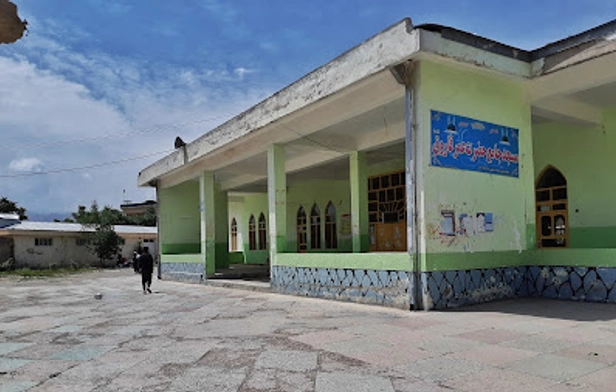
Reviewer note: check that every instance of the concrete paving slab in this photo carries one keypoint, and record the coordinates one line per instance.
(494, 355)
(352, 382)
(81, 353)
(280, 381)
(37, 351)
(591, 352)
(555, 367)
(599, 381)
(540, 344)
(193, 337)
(439, 369)
(498, 380)
(208, 379)
(491, 335)
(292, 361)
(16, 386)
(10, 364)
(6, 348)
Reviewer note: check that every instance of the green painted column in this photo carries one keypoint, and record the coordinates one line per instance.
(359, 202)
(214, 222)
(277, 200)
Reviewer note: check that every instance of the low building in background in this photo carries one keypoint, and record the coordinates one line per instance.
(55, 244)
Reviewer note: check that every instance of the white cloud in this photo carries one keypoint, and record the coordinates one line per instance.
(26, 165)
(243, 71)
(74, 109)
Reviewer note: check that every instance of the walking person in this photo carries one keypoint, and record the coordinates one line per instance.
(146, 263)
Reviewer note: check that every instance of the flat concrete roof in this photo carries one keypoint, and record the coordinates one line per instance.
(393, 46)
(62, 227)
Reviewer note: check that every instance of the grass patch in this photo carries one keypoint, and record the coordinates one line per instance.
(45, 273)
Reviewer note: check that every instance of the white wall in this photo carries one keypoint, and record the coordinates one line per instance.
(65, 252)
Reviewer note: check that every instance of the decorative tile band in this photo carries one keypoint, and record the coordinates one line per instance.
(183, 272)
(464, 287)
(448, 289)
(593, 284)
(388, 288)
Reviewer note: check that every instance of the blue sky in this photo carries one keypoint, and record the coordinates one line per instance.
(100, 81)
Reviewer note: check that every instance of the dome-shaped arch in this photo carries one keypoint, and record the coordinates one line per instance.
(549, 177)
(262, 232)
(315, 227)
(551, 204)
(302, 230)
(252, 233)
(331, 232)
(234, 235)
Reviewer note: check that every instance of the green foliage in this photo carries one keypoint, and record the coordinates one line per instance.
(111, 216)
(104, 242)
(10, 207)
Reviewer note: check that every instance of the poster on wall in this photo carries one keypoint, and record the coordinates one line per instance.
(464, 143)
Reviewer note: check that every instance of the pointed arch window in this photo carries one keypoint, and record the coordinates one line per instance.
(315, 227)
(252, 233)
(302, 239)
(234, 235)
(552, 209)
(331, 234)
(262, 232)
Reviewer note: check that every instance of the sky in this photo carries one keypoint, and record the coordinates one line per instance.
(99, 89)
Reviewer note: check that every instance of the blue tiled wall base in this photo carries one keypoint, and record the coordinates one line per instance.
(183, 272)
(593, 284)
(447, 289)
(388, 288)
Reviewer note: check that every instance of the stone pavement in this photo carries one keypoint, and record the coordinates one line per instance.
(54, 336)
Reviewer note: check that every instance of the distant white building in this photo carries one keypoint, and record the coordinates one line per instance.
(55, 244)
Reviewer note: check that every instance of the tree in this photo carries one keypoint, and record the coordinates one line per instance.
(146, 219)
(10, 207)
(112, 216)
(104, 242)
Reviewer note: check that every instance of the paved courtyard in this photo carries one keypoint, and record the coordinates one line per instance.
(55, 336)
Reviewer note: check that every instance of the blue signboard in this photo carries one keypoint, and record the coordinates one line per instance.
(467, 144)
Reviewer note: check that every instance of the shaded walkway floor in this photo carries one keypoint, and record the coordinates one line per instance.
(54, 336)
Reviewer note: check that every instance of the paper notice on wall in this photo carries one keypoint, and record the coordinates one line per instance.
(345, 225)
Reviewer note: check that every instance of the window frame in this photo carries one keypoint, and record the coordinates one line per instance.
(262, 232)
(252, 233)
(331, 229)
(315, 228)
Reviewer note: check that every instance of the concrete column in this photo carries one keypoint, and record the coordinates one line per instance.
(214, 222)
(359, 201)
(277, 200)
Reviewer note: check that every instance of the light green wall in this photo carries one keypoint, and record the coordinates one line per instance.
(586, 156)
(241, 206)
(391, 261)
(321, 192)
(486, 98)
(179, 218)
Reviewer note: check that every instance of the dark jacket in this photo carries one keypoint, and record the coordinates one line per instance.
(146, 263)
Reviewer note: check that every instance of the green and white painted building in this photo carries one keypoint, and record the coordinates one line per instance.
(425, 168)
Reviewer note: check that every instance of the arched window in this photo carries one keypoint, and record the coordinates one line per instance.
(234, 235)
(302, 245)
(552, 209)
(262, 232)
(331, 234)
(315, 227)
(252, 233)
